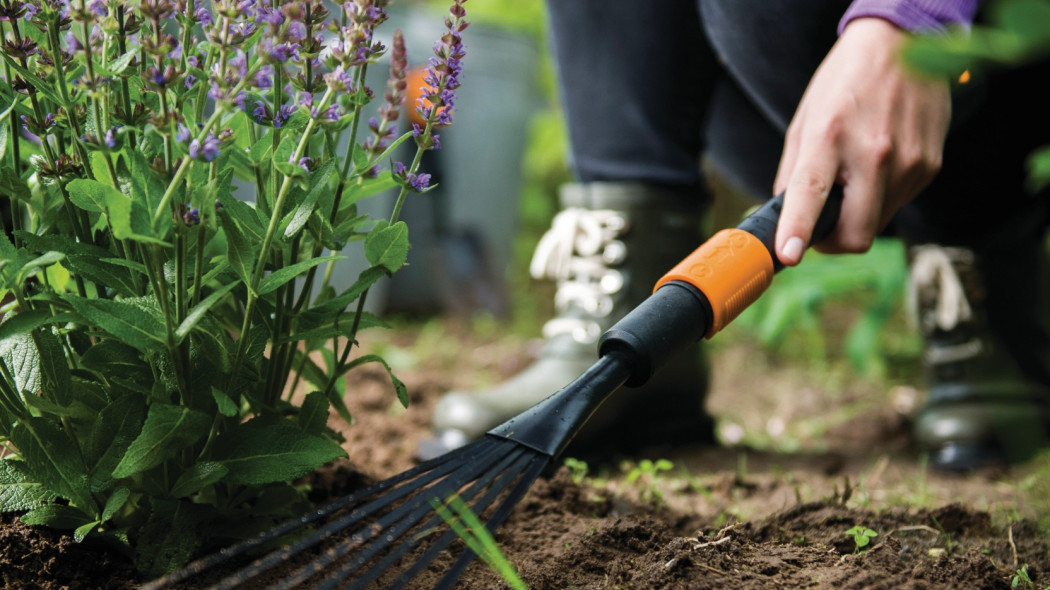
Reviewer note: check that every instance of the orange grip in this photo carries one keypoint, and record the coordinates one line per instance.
(732, 269)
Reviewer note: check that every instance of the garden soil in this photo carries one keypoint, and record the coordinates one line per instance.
(804, 458)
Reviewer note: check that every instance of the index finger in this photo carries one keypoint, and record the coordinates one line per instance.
(808, 186)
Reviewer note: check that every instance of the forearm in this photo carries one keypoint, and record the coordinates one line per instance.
(926, 16)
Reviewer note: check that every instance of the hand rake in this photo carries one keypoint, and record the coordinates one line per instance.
(390, 535)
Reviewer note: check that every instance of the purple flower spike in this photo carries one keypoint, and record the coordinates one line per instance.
(419, 182)
(207, 150)
(192, 217)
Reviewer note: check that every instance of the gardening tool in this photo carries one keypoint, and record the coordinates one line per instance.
(389, 534)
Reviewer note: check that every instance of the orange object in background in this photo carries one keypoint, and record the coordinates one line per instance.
(415, 91)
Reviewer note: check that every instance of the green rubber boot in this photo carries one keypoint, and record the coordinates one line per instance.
(606, 249)
(987, 354)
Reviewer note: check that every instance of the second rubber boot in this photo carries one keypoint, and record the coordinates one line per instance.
(987, 354)
(606, 249)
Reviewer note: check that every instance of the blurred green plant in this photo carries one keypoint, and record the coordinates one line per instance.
(792, 310)
(1015, 32)
(647, 476)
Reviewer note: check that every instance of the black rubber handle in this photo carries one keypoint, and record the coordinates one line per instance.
(763, 222)
(678, 314)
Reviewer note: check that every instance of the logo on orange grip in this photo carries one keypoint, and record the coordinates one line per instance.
(732, 269)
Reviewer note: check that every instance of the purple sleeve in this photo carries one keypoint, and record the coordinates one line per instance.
(917, 16)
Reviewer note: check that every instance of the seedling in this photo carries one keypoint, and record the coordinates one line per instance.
(648, 474)
(862, 536)
(577, 468)
(1022, 580)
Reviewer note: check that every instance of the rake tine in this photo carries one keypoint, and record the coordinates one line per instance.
(199, 566)
(279, 556)
(446, 539)
(402, 519)
(507, 469)
(494, 522)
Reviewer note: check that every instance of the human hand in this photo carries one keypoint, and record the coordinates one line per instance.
(868, 123)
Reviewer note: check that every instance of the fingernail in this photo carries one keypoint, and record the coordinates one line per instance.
(792, 250)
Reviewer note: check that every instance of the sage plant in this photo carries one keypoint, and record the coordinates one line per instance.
(170, 349)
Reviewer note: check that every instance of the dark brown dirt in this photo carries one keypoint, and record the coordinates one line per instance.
(833, 454)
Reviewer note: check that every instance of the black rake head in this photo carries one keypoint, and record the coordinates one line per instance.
(385, 536)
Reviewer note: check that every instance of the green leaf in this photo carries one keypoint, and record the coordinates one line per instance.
(261, 148)
(12, 184)
(1038, 165)
(46, 451)
(128, 218)
(146, 188)
(313, 415)
(41, 86)
(92, 195)
(199, 476)
(170, 536)
(198, 312)
(111, 358)
(399, 386)
(115, 428)
(322, 314)
(341, 325)
(93, 263)
(290, 169)
(75, 409)
(114, 503)
(4, 127)
(117, 66)
(368, 187)
(320, 184)
(54, 369)
(57, 516)
(1028, 19)
(18, 490)
(168, 430)
(23, 322)
(239, 250)
(279, 277)
(19, 353)
(226, 405)
(263, 453)
(286, 149)
(360, 157)
(387, 245)
(124, 320)
(83, 531)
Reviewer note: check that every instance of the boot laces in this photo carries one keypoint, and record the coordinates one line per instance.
(937, 299)
(578, 252)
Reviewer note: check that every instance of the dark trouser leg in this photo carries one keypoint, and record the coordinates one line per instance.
(635, 82)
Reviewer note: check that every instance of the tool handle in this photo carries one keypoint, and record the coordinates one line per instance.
(708, 288)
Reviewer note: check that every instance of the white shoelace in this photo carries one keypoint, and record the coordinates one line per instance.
(577, 252)
(932, 270)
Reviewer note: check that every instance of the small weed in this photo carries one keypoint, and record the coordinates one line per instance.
(647, 475)
(1022, 580)
(577, 468)
(462, 520)
(862, 536)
